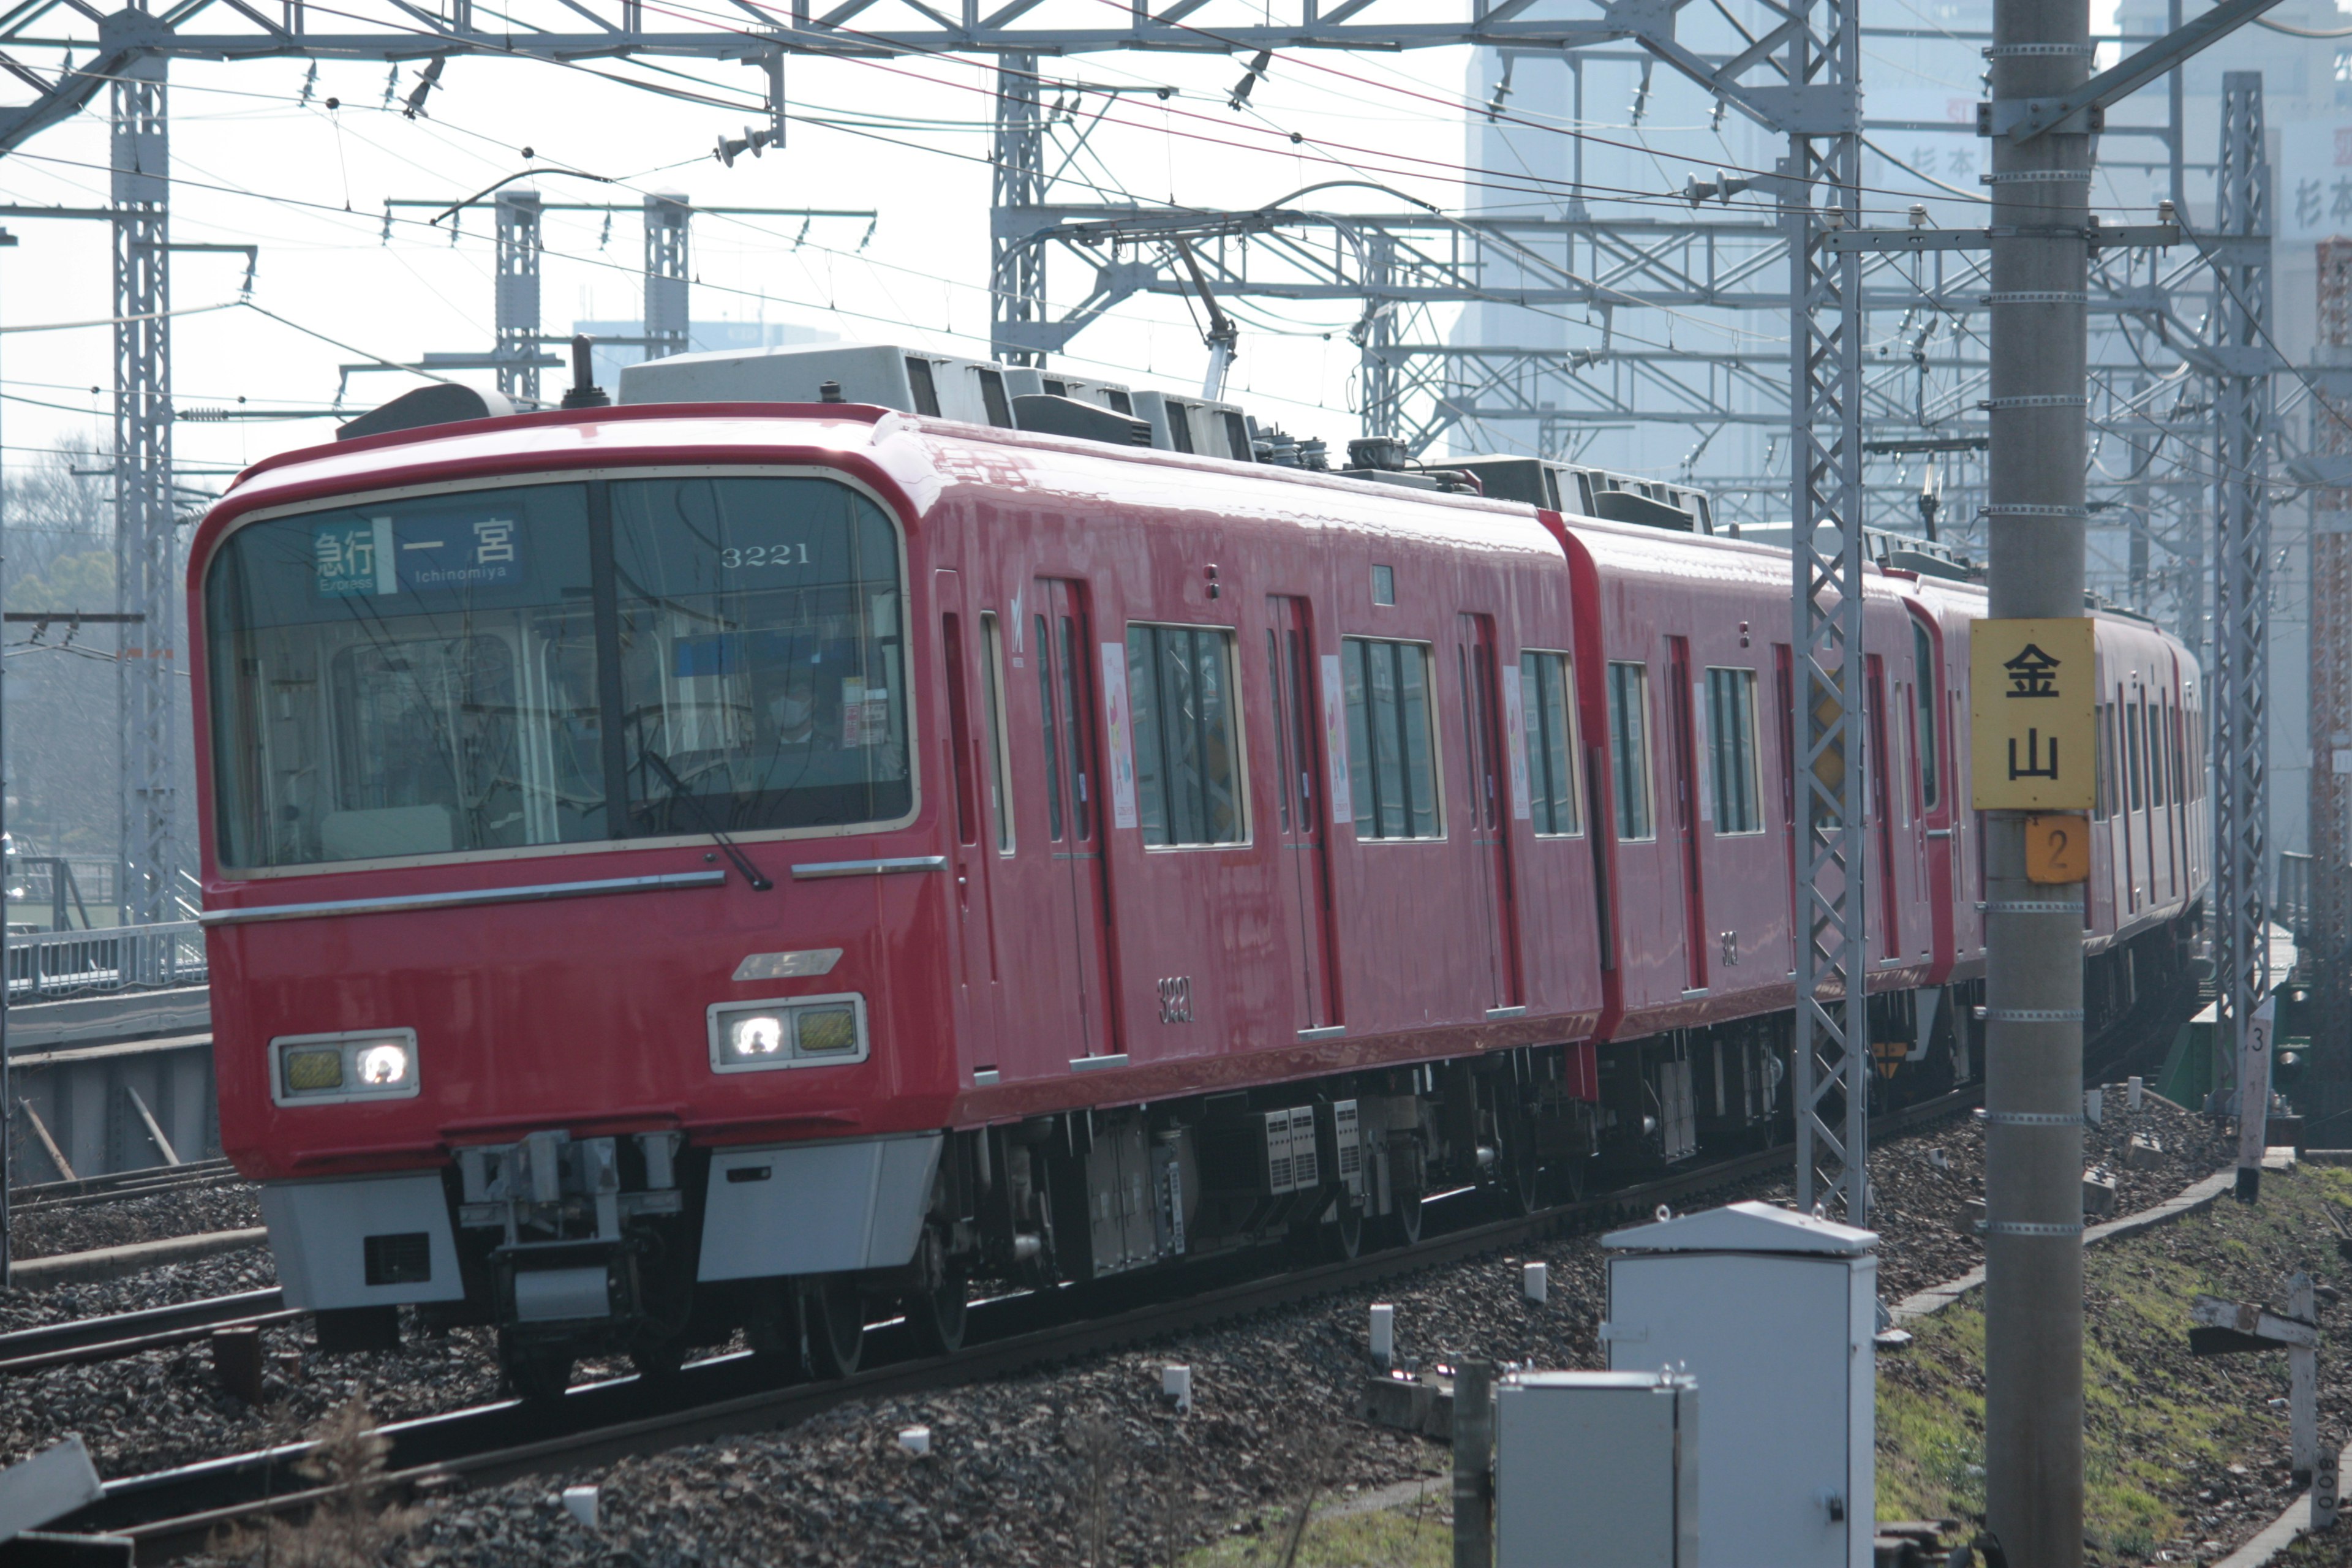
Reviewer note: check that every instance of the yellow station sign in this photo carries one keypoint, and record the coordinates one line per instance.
(2033, 733)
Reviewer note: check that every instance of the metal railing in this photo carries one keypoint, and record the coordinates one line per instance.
(50, 965)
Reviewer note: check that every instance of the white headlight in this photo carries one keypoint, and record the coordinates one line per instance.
(751, 1035)
(380, 1066)
(329, 1069)
(790, 1032)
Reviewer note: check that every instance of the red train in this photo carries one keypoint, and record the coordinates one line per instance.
(695, 866)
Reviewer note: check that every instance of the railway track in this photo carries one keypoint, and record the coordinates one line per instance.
(172, 1512)
(123, 1334)
(48, 1196)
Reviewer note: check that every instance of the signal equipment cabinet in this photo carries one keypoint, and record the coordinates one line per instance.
(1774, 1312)
(1596, 1469)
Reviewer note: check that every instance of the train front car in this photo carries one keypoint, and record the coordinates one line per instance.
(558, 771)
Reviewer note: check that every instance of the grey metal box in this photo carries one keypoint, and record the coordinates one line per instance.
(1773, 1312)
(1596, 1469)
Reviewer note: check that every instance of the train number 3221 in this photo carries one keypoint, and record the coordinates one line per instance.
(1176, 999)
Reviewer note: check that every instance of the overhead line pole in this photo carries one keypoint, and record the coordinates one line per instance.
(145, 514)
(2036, 524)
(1830, 1056)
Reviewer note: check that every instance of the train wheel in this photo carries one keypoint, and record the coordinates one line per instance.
(1408, 1217)
(537, 1375)
(936, 1318)
(773, 1331)
(1348, 1233)
(1522, 1178)
(836, 1317)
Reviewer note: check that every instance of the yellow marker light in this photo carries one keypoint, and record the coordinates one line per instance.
(313, 1070)
(827, 1031)
(382, 1066)
(756, 1034)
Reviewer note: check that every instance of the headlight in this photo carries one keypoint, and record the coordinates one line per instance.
(798, 1031)
(327, 1070)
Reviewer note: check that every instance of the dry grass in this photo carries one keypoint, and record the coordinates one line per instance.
(347, 1526)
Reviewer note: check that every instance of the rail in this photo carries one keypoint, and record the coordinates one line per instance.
(48, 966)
(174, 1512)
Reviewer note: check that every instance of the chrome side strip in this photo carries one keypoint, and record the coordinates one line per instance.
(404, 901)
(815, 870)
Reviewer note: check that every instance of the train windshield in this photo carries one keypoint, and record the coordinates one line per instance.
(493, 669)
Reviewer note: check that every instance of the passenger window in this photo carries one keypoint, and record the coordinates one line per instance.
(2103, 793)
(2132, 763)
(1186, 764)
(1925, 686)
(1731, 749)
(1000, 775)
(1547, 723)
(2155, 791)
(1629, 745)
(958, 731)
(1389, 739)
(1053, 741)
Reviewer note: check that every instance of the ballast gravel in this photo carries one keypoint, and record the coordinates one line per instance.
(1081, 1464)
(120, 1222)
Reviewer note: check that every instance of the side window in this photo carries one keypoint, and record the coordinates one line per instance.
(958, 731)
(1924, 686)
(1000, 772)
(1547, 724)
(1731, 749)
(1390, 746)
(2156, 796)
(2133, 765)
(1628, 747)
(2102, 798)
(1187, 762)
(1045, 709)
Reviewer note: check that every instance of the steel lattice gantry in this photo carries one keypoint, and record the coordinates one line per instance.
(147, 671)
(1831, 1055)
(2326, 939)
(666, 276)
(2238, 680)
(516, 352)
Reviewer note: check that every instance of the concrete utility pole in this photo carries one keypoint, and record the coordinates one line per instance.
(2034, 939)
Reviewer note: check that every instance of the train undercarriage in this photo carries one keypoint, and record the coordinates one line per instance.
(581, 1247)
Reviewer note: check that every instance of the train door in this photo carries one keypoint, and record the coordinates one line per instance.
(1488, 806)
(1878, 780)
(1300, 827)
(1936, 811)
(2126, 731)
(1784, 687)
(972, 784)
(1682, 720)
(1078, 891)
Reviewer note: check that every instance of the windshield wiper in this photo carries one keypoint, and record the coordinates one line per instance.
(679, 792)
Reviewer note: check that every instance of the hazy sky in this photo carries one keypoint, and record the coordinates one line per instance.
(258, 158)
(253, 163)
